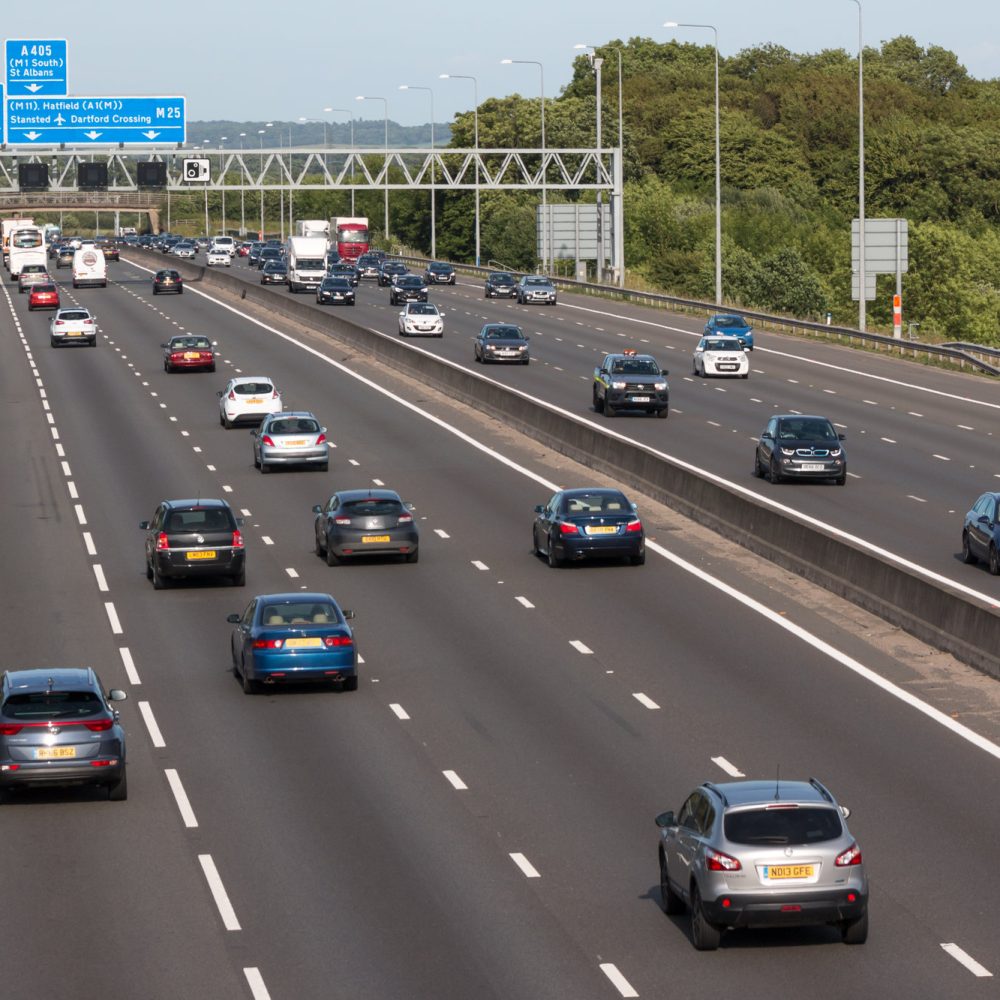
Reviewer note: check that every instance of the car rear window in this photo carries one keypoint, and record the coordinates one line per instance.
(214, 519)
(594, 503)
(252, 388)
(297, 425)
(372, 508)
(53, 705)
(74, 314)
(796, 825)
(301, 613)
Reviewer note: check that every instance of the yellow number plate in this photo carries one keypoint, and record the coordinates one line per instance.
(254, 402)
(54, 753)
(191, 355)
(303, 643)
(200, 554)
(294, 444)
(602, 529)
(72, 333)
(773, 872)
(374, 538)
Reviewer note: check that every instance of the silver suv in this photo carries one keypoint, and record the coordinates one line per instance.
(762, 854)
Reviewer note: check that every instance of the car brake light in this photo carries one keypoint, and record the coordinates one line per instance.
(344, 521)
(237, 539)
(161, 541)
(268, 643)
(103, 763)
(9, 729)
(568, 529)
(100, 726)
(633, 526)
(716, 861)
(60, 322)
(852, 856)
(404, 519)
(339, 640)
(266, 439)
(232, 394)
(274, 394)
(321, 439)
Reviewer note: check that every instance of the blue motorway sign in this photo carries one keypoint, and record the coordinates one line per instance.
(36, 66)
(95, 121)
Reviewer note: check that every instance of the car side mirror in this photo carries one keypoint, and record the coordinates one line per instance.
(253, 433)
(233, 619)
(409, 506)
(116, 694)
(347, 613)
(841, 437)
(666, 819)
(766, 436)
(635, 506)
(845, 812)
(539, 508)
(665, 372)
(239, 522)
(219, 394)
(144, 525)
(317, 508)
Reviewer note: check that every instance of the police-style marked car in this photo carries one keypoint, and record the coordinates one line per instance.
(631, 381)
(720, 356)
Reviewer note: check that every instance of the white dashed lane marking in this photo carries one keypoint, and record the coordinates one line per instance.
(731, 769)
(456, 781)
(525, 865)
(581, 647)
(968, 961)
(645, 700)
(524, 602)
(130, 671)
(154, 730)
(621, 984)
(180, 796)
(399, 712)
(219, 894)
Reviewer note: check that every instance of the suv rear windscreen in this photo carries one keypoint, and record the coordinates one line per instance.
(792, 825)
(42, 705)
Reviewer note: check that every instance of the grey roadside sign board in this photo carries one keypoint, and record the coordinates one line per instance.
(869, 285)
(569, 232)
(884, 240)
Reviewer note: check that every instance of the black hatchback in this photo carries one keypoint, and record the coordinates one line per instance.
(439, 273)
(168, 280)
(500, 284)
(191, 538)
(365, 522)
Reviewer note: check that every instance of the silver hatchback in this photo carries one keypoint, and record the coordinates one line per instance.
(290, 438)
(762, 854)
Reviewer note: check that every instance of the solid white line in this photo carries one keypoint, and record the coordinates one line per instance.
(910, 496)
(133, 674)
(967, 960)
(888, 440)
(256, 983)
(621, 984)
(731, 769)
(644, 699)
(479, 565)
(440, 532)
(580, 647)
(116, 625)
(525, 865)
(455, 780)
(154, 730)
(89, 543)
(524, 601)
(399, 711)
(965, 427)
(183, 804)
(102, 584)
(80, 516)
(218, 890)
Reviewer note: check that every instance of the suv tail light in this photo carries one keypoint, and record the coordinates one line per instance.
(232, 394)
(161, 541)
(237, 539)
(342, 521)
(274, 394)
(100, 726)
(321, 439)
(405, 519)
(852, 856)
(716, 861)
(9, 729)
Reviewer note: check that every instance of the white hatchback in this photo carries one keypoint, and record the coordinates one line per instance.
(720, 356)
(421, 319)
(218, 255)
(73, 326)
(248, 399)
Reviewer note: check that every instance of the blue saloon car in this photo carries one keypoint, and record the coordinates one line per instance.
(731, 325)
(291, 639)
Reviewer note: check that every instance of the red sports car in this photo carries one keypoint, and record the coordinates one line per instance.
(43, 296)
(189, 352)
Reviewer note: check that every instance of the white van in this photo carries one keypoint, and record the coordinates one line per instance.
(226, 243)
(90, 267)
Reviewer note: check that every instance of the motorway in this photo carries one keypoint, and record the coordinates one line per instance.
(477, 820)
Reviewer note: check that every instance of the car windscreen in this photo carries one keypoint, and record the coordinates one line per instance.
(795, 825)
(310, 264)
(806, 430)
(336, 284)
(42, 705)
(721, 345)
(274, 266)
(252, 388)
(442, 268)
(502, 279)
(422, 309)
(635, 366)
(541, 282)
(409, 281)
(729, 322)
(504, 333)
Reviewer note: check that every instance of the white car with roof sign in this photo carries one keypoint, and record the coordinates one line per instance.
(720, 356)
(248, 399)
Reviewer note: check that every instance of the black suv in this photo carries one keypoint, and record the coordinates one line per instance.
(188, 538)
(631, 381)
(57, 727)
(500, 284)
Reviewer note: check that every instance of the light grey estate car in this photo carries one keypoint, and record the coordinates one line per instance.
(762, 854)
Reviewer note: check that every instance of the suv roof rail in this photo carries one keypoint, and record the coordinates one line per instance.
(821, 788)
(712, 786)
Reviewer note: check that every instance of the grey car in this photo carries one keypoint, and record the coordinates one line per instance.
(365, 522)
(57, 727)
(501, 342)
(799, 446)
(762, 854)
(290, 438)
(536, 288)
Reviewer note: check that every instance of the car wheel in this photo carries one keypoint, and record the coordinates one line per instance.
(180, 291)
(414, 556)
(249, 686)
(609, 410)
(554, 561)
(758, 469)
(331, 556)
(31, 308)
(324, 467)
(855, 931)
(159, 581)
(318, 547)
(704, 936)
(227, 423)
(93, 343)
(671, 902)
(118, 790)
(240, 579)
(639, 560)
(747, 375)
(149, 571)
(53, 342)
(663, 414)
(841, 480)
(598, 403)
(994, 561)
(967, 553)
(350, 683)
(156, 291)
(773, 473)
(535, 548)
(264, 468)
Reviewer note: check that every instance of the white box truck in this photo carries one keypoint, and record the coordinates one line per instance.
(306, 256)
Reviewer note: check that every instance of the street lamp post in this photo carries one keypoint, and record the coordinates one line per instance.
(546, 230)
(718, 174)
(351, 116)
(475, 97)
(596, 61)
(861, 175)
(405, 86)
(223, 148)
(243, 214)
(385, 102)
(260, 185)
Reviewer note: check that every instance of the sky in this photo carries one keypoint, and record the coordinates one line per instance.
(259, 60)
